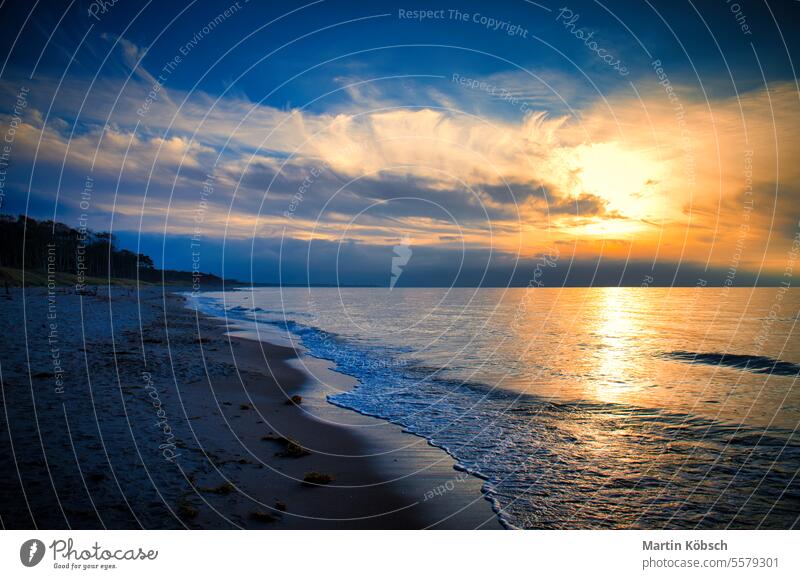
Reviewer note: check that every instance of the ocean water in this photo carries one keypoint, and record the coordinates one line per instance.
(579, 407)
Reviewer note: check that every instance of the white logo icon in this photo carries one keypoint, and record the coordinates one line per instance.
(402, 253)
(31, 552)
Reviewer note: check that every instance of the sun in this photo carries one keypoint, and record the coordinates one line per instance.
(625, 178)
(628, 181)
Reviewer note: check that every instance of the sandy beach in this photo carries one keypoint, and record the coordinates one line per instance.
(128, 409)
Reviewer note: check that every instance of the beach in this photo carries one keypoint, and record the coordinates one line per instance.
(128, 409)
(296, 408)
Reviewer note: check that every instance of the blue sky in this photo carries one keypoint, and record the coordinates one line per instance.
(490, 132)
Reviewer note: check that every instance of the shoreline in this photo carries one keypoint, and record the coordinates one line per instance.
(128, 410)
(384, 477)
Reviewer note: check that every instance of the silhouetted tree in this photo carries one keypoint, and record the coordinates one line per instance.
(30, 244)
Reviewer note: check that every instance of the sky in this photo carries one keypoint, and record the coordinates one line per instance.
(472, 143)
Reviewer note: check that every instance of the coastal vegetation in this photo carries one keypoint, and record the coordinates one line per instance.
(39, 252)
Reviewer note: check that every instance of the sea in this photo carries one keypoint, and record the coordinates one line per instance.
(587, 408)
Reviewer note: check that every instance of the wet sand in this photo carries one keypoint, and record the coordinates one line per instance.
(163, 420)
(382, 477)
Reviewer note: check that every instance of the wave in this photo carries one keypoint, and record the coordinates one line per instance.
(581, 464)
(750, 363)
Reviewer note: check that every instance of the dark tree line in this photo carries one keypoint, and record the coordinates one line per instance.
(30, 244)
(25, 242)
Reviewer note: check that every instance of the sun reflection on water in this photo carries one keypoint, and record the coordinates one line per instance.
(617, 325)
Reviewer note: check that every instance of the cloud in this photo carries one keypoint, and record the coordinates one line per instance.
(629, 175)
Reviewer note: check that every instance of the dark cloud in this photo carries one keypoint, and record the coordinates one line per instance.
(297, 262)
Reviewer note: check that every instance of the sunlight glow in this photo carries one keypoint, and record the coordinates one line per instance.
(625, 178)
